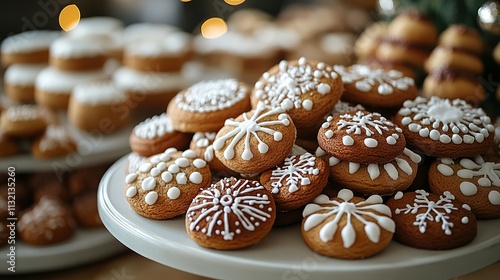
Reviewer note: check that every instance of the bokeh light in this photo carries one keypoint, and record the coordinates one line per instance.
(234, 2)
(185, 1)
(213, 28)
(69, 17)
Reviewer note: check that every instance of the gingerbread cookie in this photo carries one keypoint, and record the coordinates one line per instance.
(231, 214)
(375, 87)
(296, 181)
(24, 120)
(361, 137)
(19, 81)
(154, 135)
(55, 142)
(77, 54)
(255, 141)
(163, 187)
(85, 209)
(431, 221)
(306, 90)
(28, 47)
(445, 128)
(374, 178)
(49, 221)
(474, 181)
(346, 226)
(204, 106)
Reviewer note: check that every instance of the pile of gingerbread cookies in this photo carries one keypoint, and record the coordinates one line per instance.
(306, 144)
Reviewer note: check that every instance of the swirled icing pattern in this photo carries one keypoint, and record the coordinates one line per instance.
(324, 208)
(466, 124)
(249, 127)
(231, 207)
(433, 211)
(285, 88)
(294, 172)
(365, 78)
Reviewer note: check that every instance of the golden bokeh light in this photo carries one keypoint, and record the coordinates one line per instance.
(234, 2)
(69, 17)
(185, 1)
(213, 28)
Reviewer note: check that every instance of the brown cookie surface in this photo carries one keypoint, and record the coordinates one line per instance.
(346, 226)
(231, 214)
(54, 142)
(164, 185)
(445, 128)
(474, 181)
(307, 90)
(361, 137)
(255, 141)
(431, 221)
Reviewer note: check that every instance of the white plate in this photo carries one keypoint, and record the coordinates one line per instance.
(86, 246)
(282, 254)
(91, 149)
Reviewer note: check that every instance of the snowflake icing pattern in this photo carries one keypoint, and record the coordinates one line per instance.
(323, 208)
(250, 127)
(489, 171)
(293, 171)
(217, 205)
(434, 211)
(358, 122)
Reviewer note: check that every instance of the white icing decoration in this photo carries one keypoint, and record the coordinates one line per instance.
(433, 210)
(166, 177)
(181, 178)
(494, 197)
(364, 123)
(342, 107)
(468, 188)
(151, 198)
(148, 183)
(216, 205)
(323, 208)
(154, 127)
(445, 169)
(293, 172)
(199, 163)
(329, 134)
(53, 137)
(250, 127)
(398, 195)
(211, 96)
(130, 178)
(465, 123)
(149, 82)
(195, 177)
(173, 193)
(22, 74)
(347, 140)
(365, 78)
(131, 192)
(286, 87)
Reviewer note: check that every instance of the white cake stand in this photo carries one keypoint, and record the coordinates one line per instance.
(282, 254)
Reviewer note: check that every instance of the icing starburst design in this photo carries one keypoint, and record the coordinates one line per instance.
(466, 124)
(249, 127)
(332, 210)
(366, 78)
(433, 210)
(286, 87)
(220, 207)
(294, 172)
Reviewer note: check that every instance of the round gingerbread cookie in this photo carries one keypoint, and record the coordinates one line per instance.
(49, 221)
(154, 135)
(24, 120)
(204, 106)
(163, 186)
(77, 54)
(431, 221)
(85, 209)
(346, 226)
(231, 214)
(202, 145)
(361, 137)
(445, 128)
(307, 90)
(54, 142)
(374, 178)
(28, 47)
(375, 87)
(296, 181)
(255, 141)
(474, 181)
(19, 81)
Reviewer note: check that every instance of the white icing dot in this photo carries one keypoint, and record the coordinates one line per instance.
(465, 220)
(145, 167)
(329, 133)
(424, 132)
(195, 178)
(445, 169)
(456, 139)
(445, 139)
(173, 168)
(406, 120)
(173, 193)
(391, 140)
(494, 197)
(468, 189)
(151, 198)
(332, 161)
(154, 172)
(323, 88)
(189, 154)
(371, 143)
(466, 207)
(181, 178)
(131, 192)
(468, 139)
(148, 184)
(182, 162)
(161, 166)
(166, 177)
(165, 157)
(398, 195)
(130, 178)
(347, 140)
(434, 134)
(199, 163)
(307, 104)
